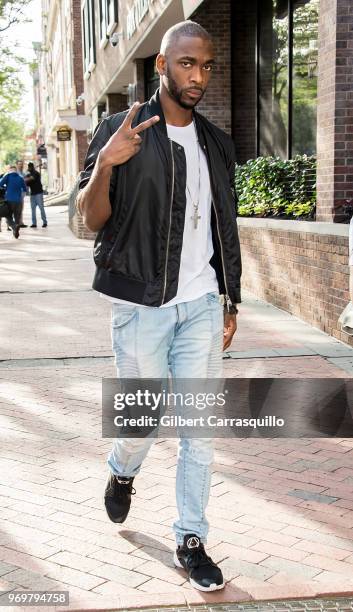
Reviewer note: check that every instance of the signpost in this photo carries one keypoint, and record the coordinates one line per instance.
(63, 134)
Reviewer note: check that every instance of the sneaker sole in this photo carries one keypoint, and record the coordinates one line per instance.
(212, 587)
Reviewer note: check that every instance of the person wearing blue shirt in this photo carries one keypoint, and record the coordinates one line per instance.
(15, 186)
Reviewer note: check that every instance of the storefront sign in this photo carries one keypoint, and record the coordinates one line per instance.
(63, 134)
(189, 6)
(135, 15)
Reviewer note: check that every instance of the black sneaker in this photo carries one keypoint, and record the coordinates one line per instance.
(23, 225)
(117, 497)
(204, 574)
(33, 225)
(45, 224)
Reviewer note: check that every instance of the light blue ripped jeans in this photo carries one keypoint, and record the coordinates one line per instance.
(187, 340)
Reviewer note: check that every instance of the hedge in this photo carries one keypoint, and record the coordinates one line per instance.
(271, 186)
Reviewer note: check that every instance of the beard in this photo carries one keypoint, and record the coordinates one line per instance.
(176, 92)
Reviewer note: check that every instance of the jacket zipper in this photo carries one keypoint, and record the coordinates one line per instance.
(170, 222)
(227, 298)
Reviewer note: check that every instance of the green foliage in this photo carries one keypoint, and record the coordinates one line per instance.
(12, 125)
(270, 186)
(12, 141)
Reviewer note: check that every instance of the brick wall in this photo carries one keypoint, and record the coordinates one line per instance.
(116, 103)
(335, 114)
(244, 79)
(81, 136)
(303, 272)
(139, 65)
(215, 17)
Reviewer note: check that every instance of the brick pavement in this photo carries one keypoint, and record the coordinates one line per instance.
(281, 511)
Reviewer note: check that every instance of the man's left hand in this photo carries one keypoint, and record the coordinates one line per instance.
(230, 327)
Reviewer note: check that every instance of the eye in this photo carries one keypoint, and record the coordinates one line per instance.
(208, 67)
(186, 64)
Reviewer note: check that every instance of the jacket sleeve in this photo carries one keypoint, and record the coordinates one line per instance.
(101, 135)
(3, 181)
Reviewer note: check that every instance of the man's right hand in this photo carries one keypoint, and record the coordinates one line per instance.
(125, 142)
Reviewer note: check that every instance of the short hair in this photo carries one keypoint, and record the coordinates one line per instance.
(184, 28)
(30, 165)
(12, 167)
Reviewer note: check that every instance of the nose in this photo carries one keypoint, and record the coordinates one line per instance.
(196, 76)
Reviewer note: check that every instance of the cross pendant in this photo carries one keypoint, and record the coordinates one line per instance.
(195, 217)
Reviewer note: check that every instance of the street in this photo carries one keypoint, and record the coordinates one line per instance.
(281, 510)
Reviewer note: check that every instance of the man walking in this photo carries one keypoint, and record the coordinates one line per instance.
(158, 186)
(34, 183)
(15, 186)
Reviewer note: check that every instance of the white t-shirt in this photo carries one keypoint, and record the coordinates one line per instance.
(196, 275)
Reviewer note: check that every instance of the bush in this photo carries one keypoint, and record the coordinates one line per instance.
(271, 186)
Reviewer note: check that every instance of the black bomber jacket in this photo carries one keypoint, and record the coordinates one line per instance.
(137, 252)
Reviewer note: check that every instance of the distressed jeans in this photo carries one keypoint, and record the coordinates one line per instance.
(186, 340)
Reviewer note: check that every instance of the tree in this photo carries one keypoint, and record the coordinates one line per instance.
(12, 140)
(12, 125)
(11, 12)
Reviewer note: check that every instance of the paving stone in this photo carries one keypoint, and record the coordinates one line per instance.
(54, 469)
(308, 495)
(345, 363)
(252, 354)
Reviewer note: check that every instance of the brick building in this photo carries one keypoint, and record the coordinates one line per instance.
(62, 122)
(282, 85)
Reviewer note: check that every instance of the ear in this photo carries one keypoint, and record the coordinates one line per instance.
(161, 64)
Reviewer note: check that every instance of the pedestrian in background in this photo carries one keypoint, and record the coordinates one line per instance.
(15, 185)
(32, 179)
(19, 166)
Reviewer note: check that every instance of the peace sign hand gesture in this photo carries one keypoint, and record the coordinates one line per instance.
(125, 142)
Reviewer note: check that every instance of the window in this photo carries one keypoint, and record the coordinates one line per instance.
(287, 77)
(108, 17)
(112, 12)
(102, 20)
(305, 57)
(89, 46)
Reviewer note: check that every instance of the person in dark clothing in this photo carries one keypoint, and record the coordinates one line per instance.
(19, 168)
(158, 186)
(34, 183)
(15, 186)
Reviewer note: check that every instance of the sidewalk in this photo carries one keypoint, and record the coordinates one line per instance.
(281, 511)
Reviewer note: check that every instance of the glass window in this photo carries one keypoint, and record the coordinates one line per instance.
(305, 55)
(108, 17)
(89, 46)
(112, 12)
(287, 77)
(273, 78)
(102, 19)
